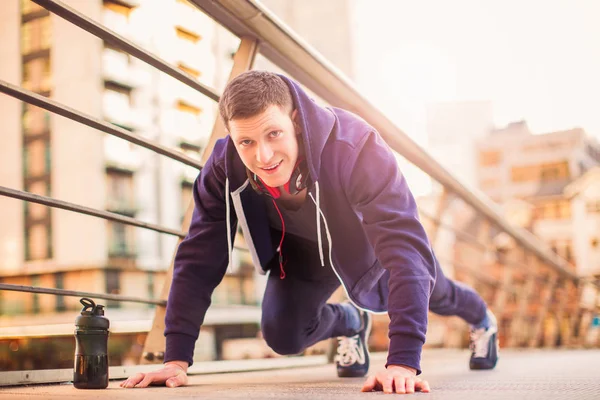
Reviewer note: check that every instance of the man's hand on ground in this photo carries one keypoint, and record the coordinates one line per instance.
(173, 374)
(396, 378)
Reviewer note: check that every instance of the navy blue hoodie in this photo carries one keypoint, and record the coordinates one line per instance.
(368, 217)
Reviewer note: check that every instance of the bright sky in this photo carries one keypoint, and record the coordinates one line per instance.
(537, 60)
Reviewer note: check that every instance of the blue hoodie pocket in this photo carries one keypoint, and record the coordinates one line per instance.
(367, 290)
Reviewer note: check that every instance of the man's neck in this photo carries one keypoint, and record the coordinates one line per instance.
(292, 201)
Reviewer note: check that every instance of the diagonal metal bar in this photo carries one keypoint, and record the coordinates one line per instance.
(120, 42)
(75, 293)
(49, 201)
(68, 112)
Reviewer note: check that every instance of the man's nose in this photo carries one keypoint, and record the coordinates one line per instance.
(264, 153)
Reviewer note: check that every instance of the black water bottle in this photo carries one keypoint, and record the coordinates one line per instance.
(91, 347)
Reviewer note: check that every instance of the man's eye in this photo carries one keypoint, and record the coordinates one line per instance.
(275, 134)
(245, 142)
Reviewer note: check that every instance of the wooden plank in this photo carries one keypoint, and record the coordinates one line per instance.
(154, 346)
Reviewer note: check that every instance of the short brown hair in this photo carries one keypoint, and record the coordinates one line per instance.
(251, 93)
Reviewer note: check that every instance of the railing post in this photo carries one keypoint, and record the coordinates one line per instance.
(519, 324)
(442, 205)
(581, 314)
(545, 305)
(506, 259)
(154, 346)
(457, 327)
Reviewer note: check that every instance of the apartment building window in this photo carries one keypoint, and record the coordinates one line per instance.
(59, 283)
(36, 39)
(36, 158)
(116, 15)
(35, 282)
(113, 286)
(116, 66)
(542, 172)
(560, 209)
(37, 75)
(524, 174)
(29, 7)
(554, 171)
(36, 36)
(35, 120)
(37, 241)
(187, 35)
(189, 70)
(188, 108)
(116, 103)
(593, 207)
(490, 157)
(120, 192)
(120, 240)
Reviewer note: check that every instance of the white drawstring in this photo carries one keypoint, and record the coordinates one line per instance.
(319, 239)
(319, 216)
(228, 222)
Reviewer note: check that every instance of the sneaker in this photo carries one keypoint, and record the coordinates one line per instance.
(484, 345)
(352, 359)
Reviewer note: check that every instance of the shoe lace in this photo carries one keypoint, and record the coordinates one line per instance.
(480, 339)
(348, 351)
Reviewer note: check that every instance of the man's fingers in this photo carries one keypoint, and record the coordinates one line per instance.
(399, 383)
(175, 381)
(410, 385)
(133, 380)
(388, 383)
(180, 379)
(148, 379)
(369, 384)
(423, 386)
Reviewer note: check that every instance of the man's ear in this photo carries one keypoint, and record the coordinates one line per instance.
(294, 116)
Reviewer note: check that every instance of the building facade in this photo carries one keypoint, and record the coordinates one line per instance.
(52, 156)
(514, 164)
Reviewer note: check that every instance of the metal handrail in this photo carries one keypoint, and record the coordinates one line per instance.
(288, 51)
(75, 293)
(53, 106)
(49, 201)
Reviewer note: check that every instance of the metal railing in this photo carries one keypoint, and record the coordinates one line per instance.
(249, 19)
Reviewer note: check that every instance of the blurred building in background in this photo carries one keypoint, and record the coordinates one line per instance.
(546, 183)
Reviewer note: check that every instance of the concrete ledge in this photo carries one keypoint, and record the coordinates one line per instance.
(15, 378)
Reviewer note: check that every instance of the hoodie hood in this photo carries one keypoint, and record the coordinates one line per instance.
(316, 124)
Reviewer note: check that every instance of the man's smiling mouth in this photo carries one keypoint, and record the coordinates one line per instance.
(272, 167)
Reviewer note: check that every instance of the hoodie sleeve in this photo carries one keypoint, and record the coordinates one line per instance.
(379, 194)
(200, 264)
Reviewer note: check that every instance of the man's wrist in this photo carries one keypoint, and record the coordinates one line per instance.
(181, 364)
(406, 367)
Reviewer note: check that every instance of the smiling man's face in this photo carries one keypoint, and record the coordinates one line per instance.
(267, 144)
